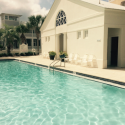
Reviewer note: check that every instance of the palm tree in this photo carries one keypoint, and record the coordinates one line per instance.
(9, 36)
(22, 29)
(1, 33)
(35, 22)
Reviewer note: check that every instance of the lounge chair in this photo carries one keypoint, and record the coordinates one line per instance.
(76, 58)
(71, 55)
(91, 60)
(44, 54)
(83, 60)
(47, 55)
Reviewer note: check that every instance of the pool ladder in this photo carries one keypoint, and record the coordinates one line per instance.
(55, 62)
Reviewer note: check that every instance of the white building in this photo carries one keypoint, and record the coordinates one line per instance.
(86, 27)
(14, 20)
(119, 2)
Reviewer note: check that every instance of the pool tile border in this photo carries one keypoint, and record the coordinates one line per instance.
(7, 59)
(95, 78)
(83, 74)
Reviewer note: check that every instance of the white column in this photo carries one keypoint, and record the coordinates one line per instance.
(65, 42)
(32, 44)
(57, 46)
(32, 40)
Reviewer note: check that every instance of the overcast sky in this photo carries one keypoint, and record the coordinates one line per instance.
(25, 7)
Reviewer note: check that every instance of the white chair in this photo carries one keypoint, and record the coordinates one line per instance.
(83, 60)
(44, 54)
(76, 58)
(90, 60)
(71, 56)
(47, 55)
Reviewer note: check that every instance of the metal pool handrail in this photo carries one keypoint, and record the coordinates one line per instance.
(56, 63)
(52, 63)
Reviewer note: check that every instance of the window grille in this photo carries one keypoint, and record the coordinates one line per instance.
(61, 18)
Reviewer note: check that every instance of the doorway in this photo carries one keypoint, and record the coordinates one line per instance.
(61, 43)
(114, 51)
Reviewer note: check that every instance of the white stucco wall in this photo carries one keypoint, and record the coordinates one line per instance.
(80, 17)
(113, 32)
(48, 45)
(114, 19)
(93, 45)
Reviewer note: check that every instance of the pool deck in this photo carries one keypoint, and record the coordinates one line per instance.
(117, 74)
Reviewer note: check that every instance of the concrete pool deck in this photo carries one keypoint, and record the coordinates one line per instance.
(117, 74)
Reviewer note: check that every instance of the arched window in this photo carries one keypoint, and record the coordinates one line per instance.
(61, 18)
(123, 3)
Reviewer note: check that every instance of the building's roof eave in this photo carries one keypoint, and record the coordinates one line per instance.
(48, 14)
(104, 4)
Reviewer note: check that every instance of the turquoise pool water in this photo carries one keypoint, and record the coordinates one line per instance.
(31, 95)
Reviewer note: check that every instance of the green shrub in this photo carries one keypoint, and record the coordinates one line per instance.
(10, 54)
(17, 54)
(52, 53)
(1, 46)
(63, 53)
(27, 54)
(1, 55)
(4, 55)
(22, 54)
(30, 53)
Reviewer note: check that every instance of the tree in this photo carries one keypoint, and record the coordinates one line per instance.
(22, 29)
(35, 22)
(9, 35)
(1, 33)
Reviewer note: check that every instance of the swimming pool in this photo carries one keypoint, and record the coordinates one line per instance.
(31, 95)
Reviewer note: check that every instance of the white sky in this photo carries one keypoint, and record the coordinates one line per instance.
(26, 8)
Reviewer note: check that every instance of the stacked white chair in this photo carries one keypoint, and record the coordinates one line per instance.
(90, 60)
(70, 59)
(44, 54)
(47, 55)
(83, 60)
(76, 58)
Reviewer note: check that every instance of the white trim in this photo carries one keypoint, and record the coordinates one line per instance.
(47, 36)
(85, 18)
(78, 20)
(48, 30)
(91, 27)
(109, 25)
(84, 28)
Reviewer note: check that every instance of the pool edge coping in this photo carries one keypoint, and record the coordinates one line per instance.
(110, 82)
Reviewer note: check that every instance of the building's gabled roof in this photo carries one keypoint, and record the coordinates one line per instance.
(98, 3)
(104, 4)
